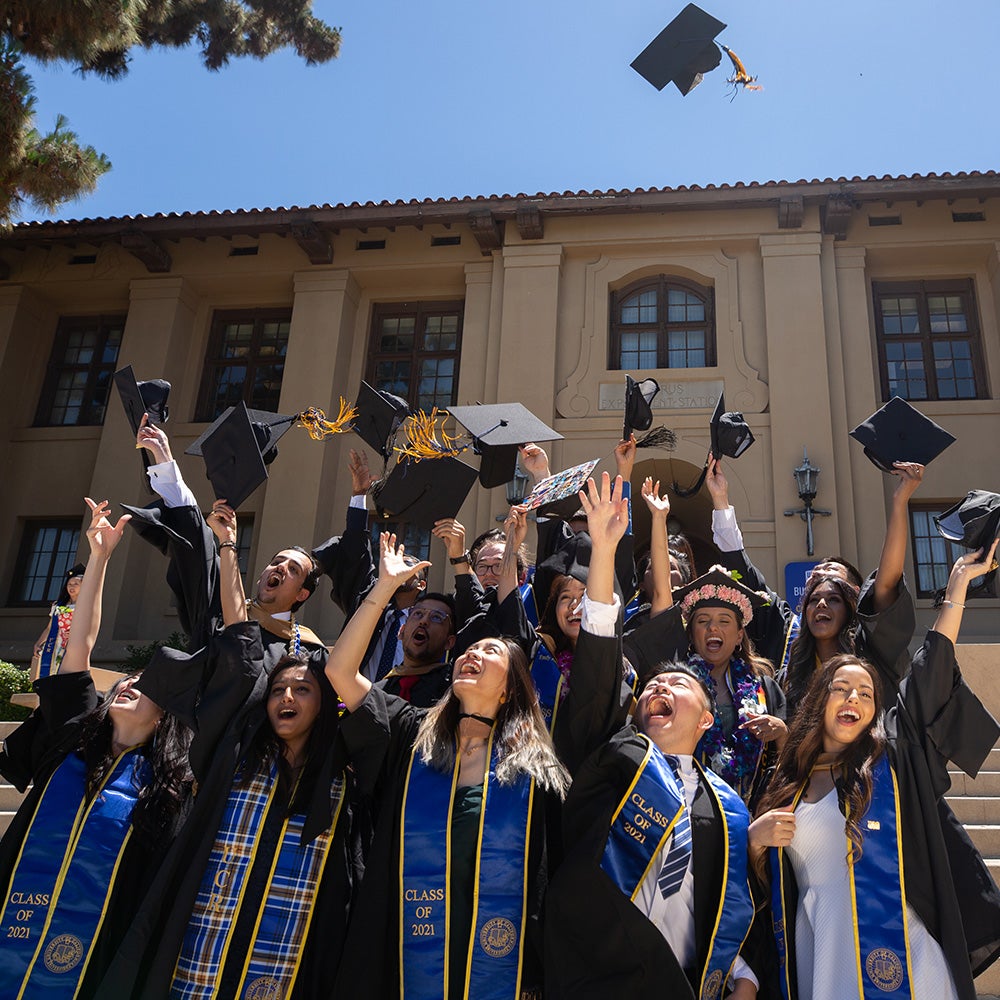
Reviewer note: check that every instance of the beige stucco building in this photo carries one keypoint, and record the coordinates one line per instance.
(808, 302)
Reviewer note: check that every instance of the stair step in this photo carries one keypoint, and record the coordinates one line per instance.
(5, 818)
(10, 798)
(981, 809)
(6, 728)
(987, 840)
(987, 783)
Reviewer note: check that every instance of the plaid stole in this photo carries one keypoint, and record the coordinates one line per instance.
(286, 911)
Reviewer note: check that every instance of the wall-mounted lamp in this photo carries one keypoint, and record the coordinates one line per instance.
(806, 476)
(516, 490)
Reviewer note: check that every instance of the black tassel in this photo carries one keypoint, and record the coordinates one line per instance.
(658, 437)
(690, 490)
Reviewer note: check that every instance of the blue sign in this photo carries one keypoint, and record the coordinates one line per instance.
(796, 574)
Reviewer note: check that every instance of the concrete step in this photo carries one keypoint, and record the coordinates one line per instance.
(983, 809)
(986, 838)
(10, 798)
(986, 783)
(5, 818)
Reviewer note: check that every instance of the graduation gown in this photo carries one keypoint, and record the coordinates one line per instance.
(598, 944)
(228, 708)
(379, 736)
(31, 754)
(937, 718)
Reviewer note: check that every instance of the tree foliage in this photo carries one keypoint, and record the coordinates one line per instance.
(98, 36)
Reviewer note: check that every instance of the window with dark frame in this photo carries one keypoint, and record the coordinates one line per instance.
(662, 322)
(245, 361)
(933, 554)
(414, 351)
(83, 360)
(928, 340)
(416, 539)
(48, 550)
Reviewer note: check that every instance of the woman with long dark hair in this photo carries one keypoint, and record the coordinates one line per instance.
(463, 796)
(111, 780)
(876, 888)
(51, 645)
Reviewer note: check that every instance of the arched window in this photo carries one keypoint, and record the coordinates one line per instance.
(662, 322)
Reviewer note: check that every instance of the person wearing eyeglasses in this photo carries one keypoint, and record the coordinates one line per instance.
(428, 635)
(876, 888)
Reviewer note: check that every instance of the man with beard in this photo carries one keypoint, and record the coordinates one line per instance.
(423, 675)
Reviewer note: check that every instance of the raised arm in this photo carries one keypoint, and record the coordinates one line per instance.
(343, 667)
(103, 538)
(607, 522)
(222, 521)
(515, 528)
(659, 552)
(890, 563)
(966, 569)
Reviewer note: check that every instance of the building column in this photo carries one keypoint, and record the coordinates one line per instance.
(799, 388)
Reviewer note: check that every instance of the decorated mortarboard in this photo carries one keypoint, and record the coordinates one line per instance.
(717, 588)
(682, 52)
(973, 523)
(497, 429)
(379, 415)
(423, 492)
(898, 432)
(558, 495)
(140, 398)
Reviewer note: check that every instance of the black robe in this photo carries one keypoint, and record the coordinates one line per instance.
(31, 754)
(379, 737)
(229, 713)
(937, 718)
(426, 691)
(598, 944)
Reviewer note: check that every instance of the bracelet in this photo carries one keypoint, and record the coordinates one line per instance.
(228, 545)
(374, 604)
(463, 558)
(953, 604)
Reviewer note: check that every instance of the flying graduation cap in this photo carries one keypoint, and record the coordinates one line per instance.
(973, 523)
(379, 415)
(639, 398)
(422, 492)
(497, 429)
(899, 432)
(139, 398)
(683, 52)
(730, 437)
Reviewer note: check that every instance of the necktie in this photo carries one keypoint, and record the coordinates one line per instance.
(678, 857)
(388, 658)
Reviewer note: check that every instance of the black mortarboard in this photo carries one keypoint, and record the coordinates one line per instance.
(682, 52)
(424, 492)
(639, 398)
(572, 558)
(730, 434)
(973, 523)
(558, 495)
(900, 433)
(380, 415)
(142, 397)
(717, 587)
(78, 570)
(237, 449)
(497, 429)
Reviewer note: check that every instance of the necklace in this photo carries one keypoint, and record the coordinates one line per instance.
(472, 746)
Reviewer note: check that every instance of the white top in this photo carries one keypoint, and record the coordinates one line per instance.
(824, 934)
(726, 531)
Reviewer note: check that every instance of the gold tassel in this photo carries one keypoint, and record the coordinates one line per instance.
(420, 438)
(313, 419)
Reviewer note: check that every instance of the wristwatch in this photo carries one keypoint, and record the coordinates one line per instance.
(463, 558)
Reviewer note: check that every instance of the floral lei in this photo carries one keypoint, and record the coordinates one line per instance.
(733, 756)
(564, 660)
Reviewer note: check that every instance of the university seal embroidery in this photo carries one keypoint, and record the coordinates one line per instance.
(63, 953)
(263, 988)
(884, 969)
(713, 985)
(498, 937)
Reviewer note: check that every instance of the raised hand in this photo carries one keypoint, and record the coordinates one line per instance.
(910, 475)
(607, 511)
(534, 461)
(718, 486)
(452, 532)
(516, 528)
(154, 440)
(659, 506)
(361, 476)
(102, 535)
(625, 457)
(222, 521)
(393, 569)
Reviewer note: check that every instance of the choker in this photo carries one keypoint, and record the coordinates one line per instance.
(479, 718)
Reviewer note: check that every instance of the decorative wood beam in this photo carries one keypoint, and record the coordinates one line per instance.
(790, 212)
(486, 229)
(836, 215)
(313, 242)
(147, 250)
(529, 223)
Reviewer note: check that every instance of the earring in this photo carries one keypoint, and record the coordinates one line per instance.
(503, 697)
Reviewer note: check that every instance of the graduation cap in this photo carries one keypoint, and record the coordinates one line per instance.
(900, 433)
(683, 52)
(424, 491)
(973, 523)
(497, 429)
(139, 398)
(379, 416)
(558, 495)
(730, 438)
(717, 588)
(639, 398)
(237, 449)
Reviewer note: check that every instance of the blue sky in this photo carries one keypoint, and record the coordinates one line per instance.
(446, 98)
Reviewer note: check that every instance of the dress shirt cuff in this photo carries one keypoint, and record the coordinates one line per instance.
(725, 531)
(166, 479)
(360, 501)
(600, 619)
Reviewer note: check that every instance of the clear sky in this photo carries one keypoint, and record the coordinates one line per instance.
(460, 97)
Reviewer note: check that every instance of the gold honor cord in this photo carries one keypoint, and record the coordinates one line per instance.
(420, 437)
(314, 420)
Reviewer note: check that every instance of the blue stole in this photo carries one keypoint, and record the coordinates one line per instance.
(528, 600)
(640, 827)
(48, 660)
(282, 925)
(881, 958)
(548, 681)
(794, 627)
(57, 897)
(493, 970)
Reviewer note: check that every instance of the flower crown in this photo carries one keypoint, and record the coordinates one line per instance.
(718, 594)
